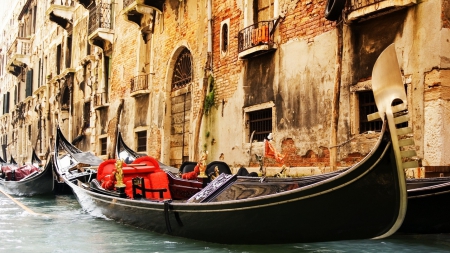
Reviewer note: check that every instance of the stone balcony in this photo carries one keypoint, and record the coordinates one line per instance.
(365, 9)
(139, 85)
(61, 12)
(100, 28)
(19, 54)
(256, 39)
(101, 100)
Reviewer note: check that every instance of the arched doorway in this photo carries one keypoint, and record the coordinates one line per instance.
(180, 108)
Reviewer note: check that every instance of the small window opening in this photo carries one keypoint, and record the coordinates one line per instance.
(141, 141)
(103, 146)
(261, 122)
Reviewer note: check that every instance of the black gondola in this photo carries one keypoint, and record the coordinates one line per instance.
(355, 204)
(12, 161)
(82, 164)
(29, 179)
(368, 200)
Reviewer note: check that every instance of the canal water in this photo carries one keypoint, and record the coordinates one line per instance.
(58, 224)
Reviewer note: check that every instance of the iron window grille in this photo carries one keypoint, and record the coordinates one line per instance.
(261, 122)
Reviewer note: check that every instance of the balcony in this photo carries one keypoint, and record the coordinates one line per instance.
(61, 12)
(365, 9)
(100, 100)
(100, 25)
(19, 54)
(136, 11)
(256, 39)
(139, 85)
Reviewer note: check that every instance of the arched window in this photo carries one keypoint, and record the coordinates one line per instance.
(182, 73)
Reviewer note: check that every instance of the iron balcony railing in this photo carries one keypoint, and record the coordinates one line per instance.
(255, 35)
(100, 99)
(100, 17)
(63, 2)
(139, 83)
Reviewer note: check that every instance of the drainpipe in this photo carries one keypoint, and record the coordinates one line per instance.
(210, 30)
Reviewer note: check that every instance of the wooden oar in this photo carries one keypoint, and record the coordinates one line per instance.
(21, 205)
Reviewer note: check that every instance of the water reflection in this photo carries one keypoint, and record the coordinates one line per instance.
(61, 226)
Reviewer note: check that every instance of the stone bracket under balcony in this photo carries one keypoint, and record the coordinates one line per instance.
(61, 15)
(99, 37)
(14, 66)
(365, 9)
(141, 14)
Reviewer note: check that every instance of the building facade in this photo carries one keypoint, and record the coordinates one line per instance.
(177, 77)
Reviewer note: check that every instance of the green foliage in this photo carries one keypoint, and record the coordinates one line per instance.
(209, 99)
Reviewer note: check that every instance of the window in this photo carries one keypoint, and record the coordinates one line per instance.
(260, 121)
(224, 36)
(103, 145)
(141, 141)
(263, 9)
(367, 106)
(87, 114)
(182, 73)
(29, 84)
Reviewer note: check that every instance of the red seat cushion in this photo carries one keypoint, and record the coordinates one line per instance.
(105, 169)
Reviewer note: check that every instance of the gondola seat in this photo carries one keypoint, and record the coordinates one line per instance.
(187, 167)
(145, 167)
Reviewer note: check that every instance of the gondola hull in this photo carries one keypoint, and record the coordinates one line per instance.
(41, 183)
(428, 209)
(363, 202)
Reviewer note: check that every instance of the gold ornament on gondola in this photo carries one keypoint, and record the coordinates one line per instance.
(202, 165)
(119, 174)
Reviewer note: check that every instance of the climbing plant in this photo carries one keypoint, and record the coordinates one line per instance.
(209, 99)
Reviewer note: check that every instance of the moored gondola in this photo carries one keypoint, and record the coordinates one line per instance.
(71, 164)
(367, 200)
(29, 179)
(363, 205)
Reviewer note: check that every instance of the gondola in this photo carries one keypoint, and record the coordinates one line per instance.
(27, 180)
(368, 200)
(428, 206)
(81, 164)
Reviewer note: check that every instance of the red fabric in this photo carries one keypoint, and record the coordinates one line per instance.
(271, 152)
(153, 176)
(191, 175)
(159, 180)
(105, 169)
(25, 171)
(140, 169)
(149, 161)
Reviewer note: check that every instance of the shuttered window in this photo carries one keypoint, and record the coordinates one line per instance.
(29, 84)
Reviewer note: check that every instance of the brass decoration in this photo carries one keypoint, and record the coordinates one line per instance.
(215, 174)
(202, 165)
(119, 174)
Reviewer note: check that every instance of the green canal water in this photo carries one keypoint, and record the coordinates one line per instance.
(58, 224)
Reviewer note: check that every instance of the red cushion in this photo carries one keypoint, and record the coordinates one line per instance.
(140, 169)
(146, 160)
(105, 168)
(159, 180)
